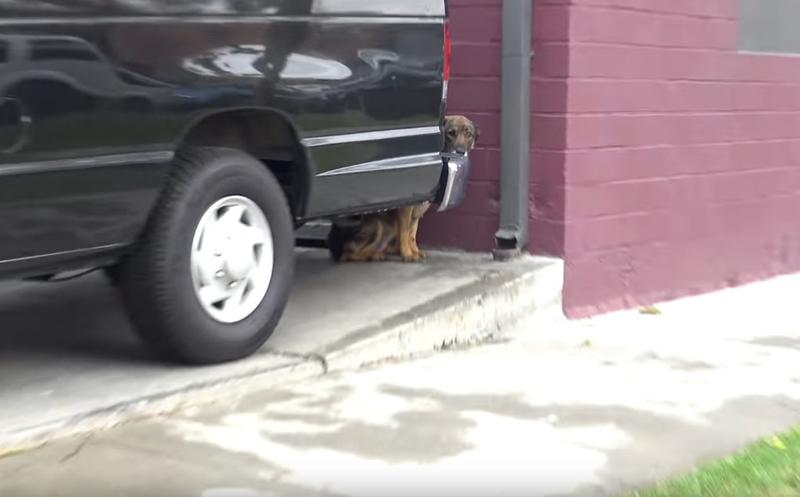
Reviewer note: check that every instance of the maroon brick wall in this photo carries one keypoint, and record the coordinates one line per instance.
(665, 162)
(475, 92)
(680, 154)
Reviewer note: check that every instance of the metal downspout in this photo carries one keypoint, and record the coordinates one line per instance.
(512, 237)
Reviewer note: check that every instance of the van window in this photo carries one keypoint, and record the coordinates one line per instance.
(770, 26)
(62, 49)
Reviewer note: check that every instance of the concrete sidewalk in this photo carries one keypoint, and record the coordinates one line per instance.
(69, 361)
(593, 408)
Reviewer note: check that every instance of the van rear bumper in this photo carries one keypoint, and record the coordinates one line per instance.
(453, 185)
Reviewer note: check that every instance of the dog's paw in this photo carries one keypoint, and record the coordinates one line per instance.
(414, 258)
(349, 257)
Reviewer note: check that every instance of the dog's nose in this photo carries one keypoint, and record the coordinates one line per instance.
(461, 150)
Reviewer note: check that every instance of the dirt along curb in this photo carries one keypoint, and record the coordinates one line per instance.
(472, 314)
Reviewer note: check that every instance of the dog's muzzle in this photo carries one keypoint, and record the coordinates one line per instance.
(453, 184)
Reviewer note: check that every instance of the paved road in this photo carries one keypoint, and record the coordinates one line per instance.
(578, 409)
(67, 349)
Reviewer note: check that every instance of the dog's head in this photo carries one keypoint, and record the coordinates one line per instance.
(460, 134)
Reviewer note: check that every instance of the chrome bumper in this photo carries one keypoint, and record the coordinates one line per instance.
(453, 186)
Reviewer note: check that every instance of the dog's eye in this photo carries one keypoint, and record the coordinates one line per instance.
(468, 133)
(452, 132)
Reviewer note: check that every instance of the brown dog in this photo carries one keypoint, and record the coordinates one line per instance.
(395, 231)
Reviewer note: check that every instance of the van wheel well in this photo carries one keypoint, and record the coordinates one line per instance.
(265, 135)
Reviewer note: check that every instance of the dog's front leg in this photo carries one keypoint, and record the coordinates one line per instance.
(416, 216)
(420, 255)
(406, 230)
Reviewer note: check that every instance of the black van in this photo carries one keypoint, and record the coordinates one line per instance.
(178, 144)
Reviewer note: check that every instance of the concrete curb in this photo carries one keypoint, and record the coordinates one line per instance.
(472, 314)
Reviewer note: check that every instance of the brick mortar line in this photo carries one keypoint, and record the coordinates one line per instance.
(600, 6)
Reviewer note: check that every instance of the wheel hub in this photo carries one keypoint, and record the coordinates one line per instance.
(237, 257)
(232, 259)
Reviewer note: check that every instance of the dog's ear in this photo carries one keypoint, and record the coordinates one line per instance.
(477, 133)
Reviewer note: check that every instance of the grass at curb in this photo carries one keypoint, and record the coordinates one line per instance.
(770, 468)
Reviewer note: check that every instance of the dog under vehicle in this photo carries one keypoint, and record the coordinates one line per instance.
(178, 145)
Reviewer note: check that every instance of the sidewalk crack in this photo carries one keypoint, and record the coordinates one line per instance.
(77, 450)
(311, 357)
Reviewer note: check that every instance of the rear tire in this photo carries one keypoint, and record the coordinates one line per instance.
(210, 278)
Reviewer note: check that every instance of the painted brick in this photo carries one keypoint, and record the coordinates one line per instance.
(713, 9)
(648, 273)
(474, 91)
(632, 130)
(478, 23)
(637, 62)
(475, 94)
(654, 161)
(473, 233)
(653, 96)
(635, 27)
(484, 200)
(551, 22)
(473, 60)
(664, 162)
(548, 95)
(551, 59)
(485, 164)
(489, 124)
(546, 236)
(681, 156)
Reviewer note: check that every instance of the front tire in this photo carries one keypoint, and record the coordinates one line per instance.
(210, 278)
